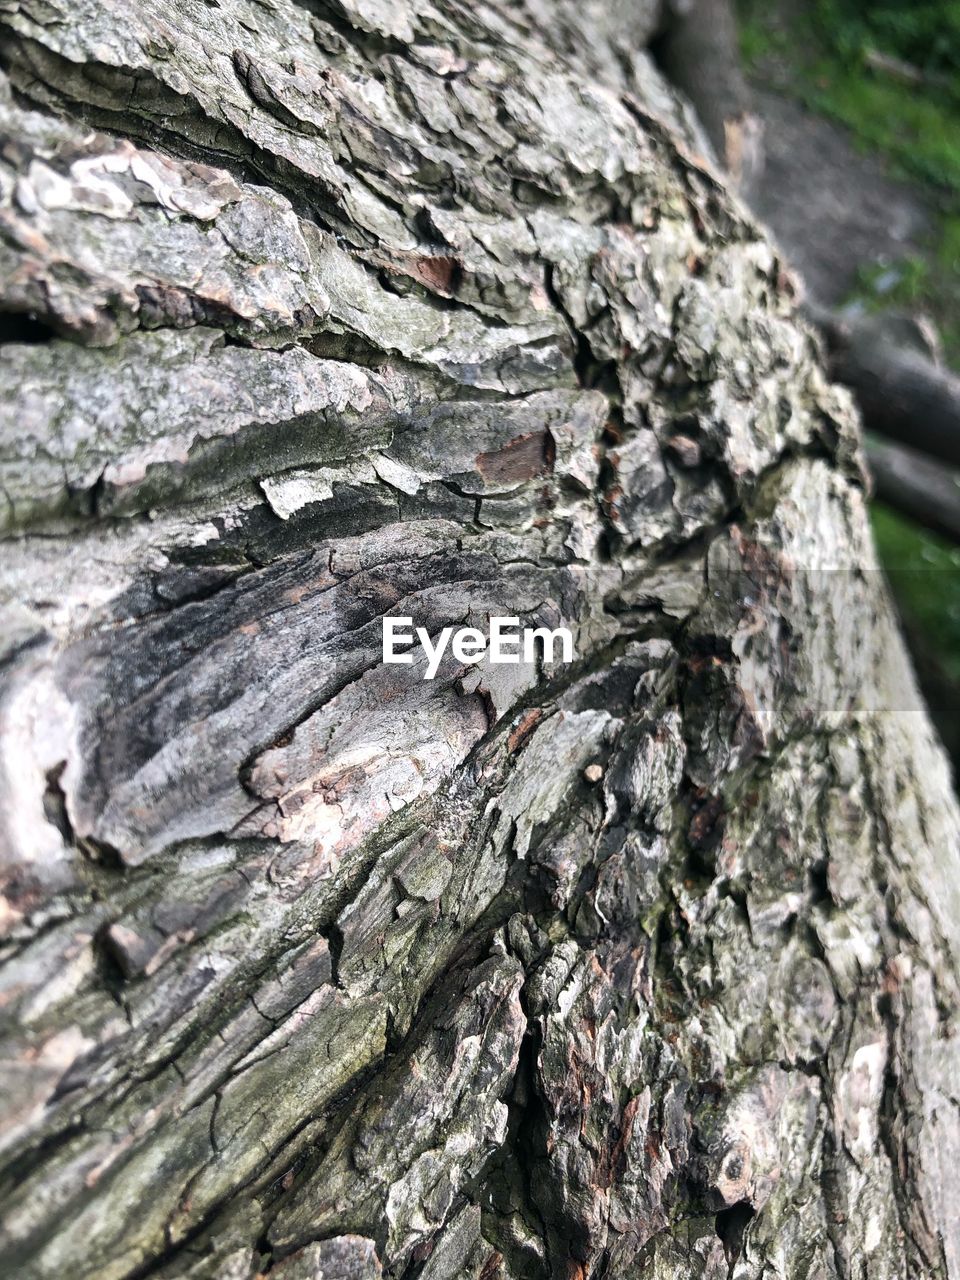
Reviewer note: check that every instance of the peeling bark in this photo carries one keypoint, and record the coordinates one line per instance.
(645, 965)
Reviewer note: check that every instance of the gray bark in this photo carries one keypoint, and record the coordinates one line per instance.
(644, 966)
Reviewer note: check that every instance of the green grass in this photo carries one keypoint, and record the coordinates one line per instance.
(930, 285)
(760, 39)
(925, 33)
(924, 574)
(918, 132)
(822, 53)
(757, 39)
(916, 128)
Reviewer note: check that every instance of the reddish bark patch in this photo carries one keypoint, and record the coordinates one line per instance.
(423, 1250)
(525, 458)
(440, 273)
(617, 1161)
(685, 450)
(707, 823)
(493, 1267)
(524, 727)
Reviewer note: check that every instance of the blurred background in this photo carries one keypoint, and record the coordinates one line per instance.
(841, 120)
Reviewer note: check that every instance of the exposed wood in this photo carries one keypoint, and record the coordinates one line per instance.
(645, 965)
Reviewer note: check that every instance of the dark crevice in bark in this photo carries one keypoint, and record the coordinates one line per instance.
(338, 18)
(732, 1224)
(55, 803)
(101, 852)
(21, 327)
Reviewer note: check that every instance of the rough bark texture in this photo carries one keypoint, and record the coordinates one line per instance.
(645, 966)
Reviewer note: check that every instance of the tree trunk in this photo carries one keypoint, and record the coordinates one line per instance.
(644, 965)
(700, 52)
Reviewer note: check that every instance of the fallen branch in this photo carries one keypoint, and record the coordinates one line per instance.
(916, 487)
(903, 394)
(906, 72)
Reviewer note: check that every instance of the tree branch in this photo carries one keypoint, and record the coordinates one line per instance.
(915, 486)
(902, 393)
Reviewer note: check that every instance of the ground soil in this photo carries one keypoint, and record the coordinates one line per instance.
(833, 209)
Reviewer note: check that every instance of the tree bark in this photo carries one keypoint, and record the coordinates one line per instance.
(640, 966)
